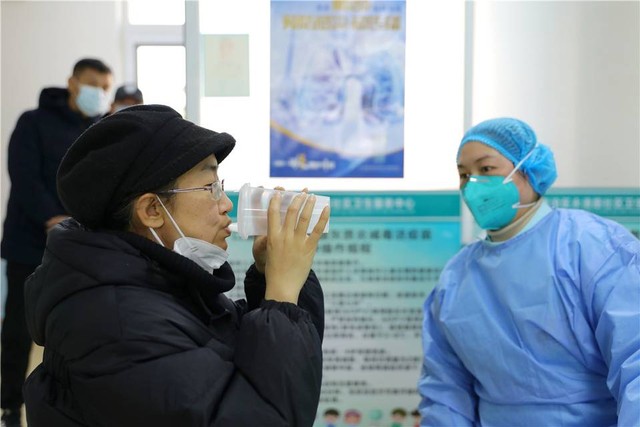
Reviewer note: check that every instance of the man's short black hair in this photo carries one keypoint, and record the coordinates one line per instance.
(91, 63)
(399, 411)
(332, 411)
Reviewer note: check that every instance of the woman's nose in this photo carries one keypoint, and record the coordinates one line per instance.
(226, 205)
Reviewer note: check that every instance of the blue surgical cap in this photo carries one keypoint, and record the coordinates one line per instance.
(514, 139)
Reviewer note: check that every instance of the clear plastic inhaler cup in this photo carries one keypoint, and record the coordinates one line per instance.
(253, 204)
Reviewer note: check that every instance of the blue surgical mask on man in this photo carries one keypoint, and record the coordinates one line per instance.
(494, 200)
(92, 101)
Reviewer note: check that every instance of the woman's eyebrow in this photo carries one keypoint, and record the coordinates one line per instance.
(488, 156)
(478, 160)
(210, 167)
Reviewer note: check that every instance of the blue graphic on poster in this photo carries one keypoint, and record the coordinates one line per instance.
(337, 88)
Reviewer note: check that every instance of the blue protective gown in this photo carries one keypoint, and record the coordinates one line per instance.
(540, 330)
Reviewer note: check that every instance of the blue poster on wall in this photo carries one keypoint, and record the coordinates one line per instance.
(337, 88)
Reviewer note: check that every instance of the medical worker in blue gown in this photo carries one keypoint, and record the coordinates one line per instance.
(539, 323)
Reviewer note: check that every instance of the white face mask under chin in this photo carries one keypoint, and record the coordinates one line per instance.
(207, 255)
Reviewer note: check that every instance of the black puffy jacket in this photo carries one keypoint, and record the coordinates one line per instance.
(137, 335)
(38, 143)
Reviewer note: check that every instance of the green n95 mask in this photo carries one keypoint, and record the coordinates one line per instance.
(494, 200)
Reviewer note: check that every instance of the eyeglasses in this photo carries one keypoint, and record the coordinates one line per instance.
(216, 189)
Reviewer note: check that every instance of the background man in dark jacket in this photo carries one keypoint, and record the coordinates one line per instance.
(40, 139)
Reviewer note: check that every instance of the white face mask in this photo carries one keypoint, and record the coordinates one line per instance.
(207, 255)
(92, 101)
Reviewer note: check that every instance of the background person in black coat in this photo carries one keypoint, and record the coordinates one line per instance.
(40, 139)
(129, 300)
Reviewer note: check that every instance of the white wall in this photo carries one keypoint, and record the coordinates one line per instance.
(40, 43)
(572, 70)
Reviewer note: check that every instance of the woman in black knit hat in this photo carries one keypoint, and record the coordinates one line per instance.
(129, 305)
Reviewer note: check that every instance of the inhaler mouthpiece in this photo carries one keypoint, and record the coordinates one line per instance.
(253, 206)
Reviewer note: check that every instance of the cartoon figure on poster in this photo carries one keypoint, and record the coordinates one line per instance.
(398, 417)
(331, 417)
(352, 418)
(337, 94)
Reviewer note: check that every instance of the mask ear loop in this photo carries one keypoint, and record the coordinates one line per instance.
(155, 235)
(509, 178)
(175, 224)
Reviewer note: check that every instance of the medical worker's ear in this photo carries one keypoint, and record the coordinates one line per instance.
(147, 211)
(527, 193)
(524, 176)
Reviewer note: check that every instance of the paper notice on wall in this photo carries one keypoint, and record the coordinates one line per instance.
(226, 65)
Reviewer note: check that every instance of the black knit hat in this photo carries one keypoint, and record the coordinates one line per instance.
(137, 150)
